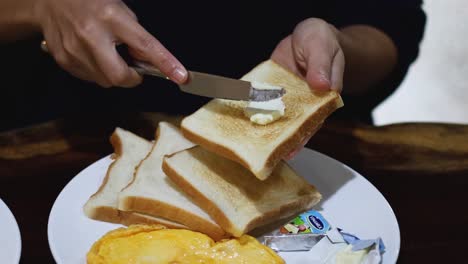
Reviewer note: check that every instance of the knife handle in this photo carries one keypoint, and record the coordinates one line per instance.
(144, 68)
(141, 67)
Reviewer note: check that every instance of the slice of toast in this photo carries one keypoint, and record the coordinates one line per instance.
(230, 193)
(221, 126)
(129, 150)
(152, 192)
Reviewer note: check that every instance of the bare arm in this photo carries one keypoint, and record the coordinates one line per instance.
(17, 19)
(370, 56)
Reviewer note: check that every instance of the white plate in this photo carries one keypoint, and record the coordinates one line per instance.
(10, 237)
(349, 202)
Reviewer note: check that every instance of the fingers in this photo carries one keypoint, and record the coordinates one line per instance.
(114, 68)
(90, 54)
(87, 49)
(318, 56)
(325, 70)
(125, 28)
(70, 58)
(147, 48)
(100, 40)
(283, 55)
(317, 50)
(337, 72)
(129, 11)
(80, 61)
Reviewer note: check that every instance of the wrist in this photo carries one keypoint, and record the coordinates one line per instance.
(18, 19)
(32, 15)
(26, 17)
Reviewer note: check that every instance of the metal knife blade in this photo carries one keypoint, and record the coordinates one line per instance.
(214, 86)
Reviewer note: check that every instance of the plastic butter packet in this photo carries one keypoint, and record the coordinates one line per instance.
(311, 232)
(307, 222)
(368, 251)
(300, 234)
(335, 249)
(360, 244)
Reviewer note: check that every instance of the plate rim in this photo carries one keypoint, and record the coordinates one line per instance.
(54, 205)
(19, 241)
(387, 204)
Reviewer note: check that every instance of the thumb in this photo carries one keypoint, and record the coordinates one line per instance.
(319, 63)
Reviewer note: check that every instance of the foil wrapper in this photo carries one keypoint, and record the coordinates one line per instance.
(324, 244)
(299, 234)
(299, 242)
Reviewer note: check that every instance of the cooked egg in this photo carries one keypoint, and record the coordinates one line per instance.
(155, 244)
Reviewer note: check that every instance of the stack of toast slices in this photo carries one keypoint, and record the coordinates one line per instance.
(219, 173)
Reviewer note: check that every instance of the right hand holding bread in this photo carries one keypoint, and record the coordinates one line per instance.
(81, 35)
(313, 51)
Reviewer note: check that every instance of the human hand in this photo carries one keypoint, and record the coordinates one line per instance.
(313, 52)
(82, 36)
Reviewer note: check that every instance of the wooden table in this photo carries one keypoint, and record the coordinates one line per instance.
(422, 170)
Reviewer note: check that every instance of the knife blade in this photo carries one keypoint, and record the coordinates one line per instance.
(215, 86)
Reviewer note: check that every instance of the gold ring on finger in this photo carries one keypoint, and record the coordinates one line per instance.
(44, 46)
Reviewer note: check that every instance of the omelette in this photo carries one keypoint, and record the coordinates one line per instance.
(155, 244)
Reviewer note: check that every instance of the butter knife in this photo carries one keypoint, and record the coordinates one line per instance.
(215, 86)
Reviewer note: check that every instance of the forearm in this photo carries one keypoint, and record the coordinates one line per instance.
(17, 19)
(370, 56)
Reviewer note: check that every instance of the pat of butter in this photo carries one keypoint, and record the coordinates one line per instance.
(265, 112)
(264, 86)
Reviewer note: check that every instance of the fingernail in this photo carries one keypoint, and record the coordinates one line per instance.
(179, 75)
(324, 78)
(318, 80)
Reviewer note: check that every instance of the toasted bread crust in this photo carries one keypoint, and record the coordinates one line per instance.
(201, 200)
(161, 209)
(113, 215)
(215, 148)
(283, 211)
(117, 145)
(311, 125)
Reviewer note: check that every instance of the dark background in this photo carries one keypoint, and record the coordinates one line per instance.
(227, 38)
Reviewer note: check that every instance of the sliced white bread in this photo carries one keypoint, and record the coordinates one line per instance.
(236, 199)
(152, 192)
(221, 126)
(129, 150)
